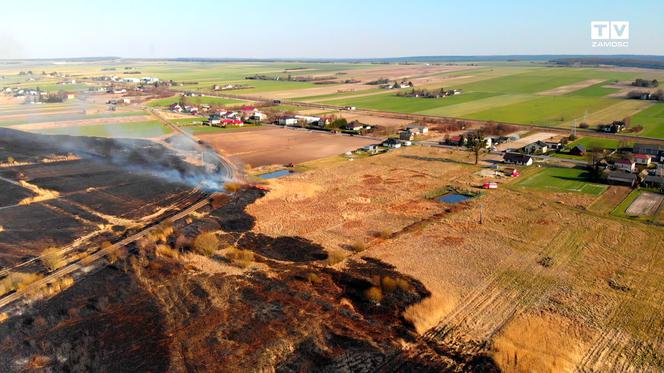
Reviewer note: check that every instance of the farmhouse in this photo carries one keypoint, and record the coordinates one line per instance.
(287, 121)
(392, 143)
(417, 129)
(578, 150)
(176, 108)
(406, 136)
(518, 158)
(353, 126)
(309, 120)
(536, 147)
(615, 127)
(650, 149)
(642, 159)
(456, 140)
(625, 165)
(554, 144)
(622, 178)
(258, 116)
(654, 181)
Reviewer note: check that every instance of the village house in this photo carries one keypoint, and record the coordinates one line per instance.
(554, 145)
(578, 150)
(353, 126)
(642, 159)
(417, 129)
(308, 120)
(655, 151)
(625, 164)
(518, 158)
(538, 147)
(176, 108)
(392, 143)
(457, 140)
(406, 135)
(258, 116)
(287, 121)
(622, 178)
(654, 181)
(615, 127)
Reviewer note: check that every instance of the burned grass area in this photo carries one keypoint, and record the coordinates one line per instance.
(105, 323)
(57, 189)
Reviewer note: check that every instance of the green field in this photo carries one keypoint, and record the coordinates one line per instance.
(392, 102)
(596, 90)
(563, 180)
(197, 100)
(117, 130)
(652, 120)
(544, 110)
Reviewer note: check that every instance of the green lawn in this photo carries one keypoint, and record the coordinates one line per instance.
(116, 130)
(197, 100)
(392, 102)
(652, 120)
(557, 179)
(589, 141)
(544, 110)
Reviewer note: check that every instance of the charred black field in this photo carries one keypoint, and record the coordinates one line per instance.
(273, 304)
(58, 189)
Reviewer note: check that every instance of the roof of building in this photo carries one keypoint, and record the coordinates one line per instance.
(642, 156)
(517, 157)
(622, 176)
(625, 161)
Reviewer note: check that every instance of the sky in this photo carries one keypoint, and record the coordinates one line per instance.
(319, 29)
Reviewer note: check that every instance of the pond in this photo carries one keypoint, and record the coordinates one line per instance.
(275, 174)
(453, 198)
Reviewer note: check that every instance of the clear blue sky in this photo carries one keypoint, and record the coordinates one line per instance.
(319, 29)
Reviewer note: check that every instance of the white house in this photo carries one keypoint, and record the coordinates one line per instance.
(259, 116)
(625, 165)
(643, 159)
(287, 121)
(307, 119)
(418, 130)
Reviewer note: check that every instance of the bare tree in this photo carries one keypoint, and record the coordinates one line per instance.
(476, 142)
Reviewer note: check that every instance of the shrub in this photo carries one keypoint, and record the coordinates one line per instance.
(11, 160)
(52, 258)
(17, 281)
(584, 125)
(206, 243)
(165, 251)
(182, 242)
(335, 256)
(358, 246)
(388, 284)
(116, 254)
(314, 278)
(374, 294)
(240, 257)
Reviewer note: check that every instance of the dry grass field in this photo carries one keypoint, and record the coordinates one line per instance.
(262, 146)
(551, 285)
